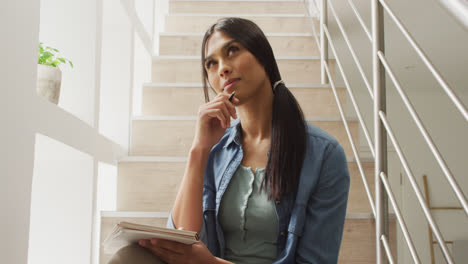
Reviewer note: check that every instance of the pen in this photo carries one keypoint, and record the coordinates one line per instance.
(231, 96)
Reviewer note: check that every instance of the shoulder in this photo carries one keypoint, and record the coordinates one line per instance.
(317, 138)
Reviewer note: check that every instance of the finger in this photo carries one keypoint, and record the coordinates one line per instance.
(229, 104)
(163, 254)
(221, 96)
(157, 246)
(225, 110)
(231, 108)
(225, 98)
(209, 111)
(216, 113)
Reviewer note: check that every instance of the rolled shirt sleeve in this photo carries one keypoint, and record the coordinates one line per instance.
(326, 212)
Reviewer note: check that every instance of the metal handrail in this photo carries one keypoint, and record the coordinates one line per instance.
(323, 42)
(387, 249)
(361, 21)
(401, 222)
(428, 63)
(418, 193)
(380, 137)
(317, 41)
(351, 49)
(458, 9)
(381, 125)
(448, 174)
(351, 140)
(351, 94)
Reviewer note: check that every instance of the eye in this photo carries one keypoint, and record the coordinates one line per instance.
(208, 64)
(232, 49)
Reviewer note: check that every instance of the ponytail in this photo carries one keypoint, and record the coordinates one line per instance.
(288, 142)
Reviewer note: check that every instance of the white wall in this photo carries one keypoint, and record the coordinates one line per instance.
(70, 27)
(116, 72)
(19, 22)
(70, 150)
(145, 11)
(61, 204)
(445, 43)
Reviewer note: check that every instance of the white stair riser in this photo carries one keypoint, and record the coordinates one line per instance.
(148, 186)
(185, 101)
(268, 24)
(281, 45)
(174, 137)
(153, 186)
(234, 7)
(169, 70)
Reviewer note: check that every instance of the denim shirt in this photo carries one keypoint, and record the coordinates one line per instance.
(310, 221)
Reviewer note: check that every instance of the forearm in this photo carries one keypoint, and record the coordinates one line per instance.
(187, 211)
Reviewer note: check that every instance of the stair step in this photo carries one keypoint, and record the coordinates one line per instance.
(357, 199)
(186, 69)
(268, 24)
(151, 184)
(148, 186)
(357, 246)
(236, 7)
(358, 243)
(184, 100)
(285, 45)
(172, 136)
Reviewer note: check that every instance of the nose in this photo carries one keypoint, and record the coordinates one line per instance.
(224, 69)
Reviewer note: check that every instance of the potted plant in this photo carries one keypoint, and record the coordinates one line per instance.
(49, 76)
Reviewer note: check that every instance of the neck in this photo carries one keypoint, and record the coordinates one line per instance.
(256, 116)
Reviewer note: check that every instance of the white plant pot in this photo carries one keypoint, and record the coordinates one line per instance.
(48, 83)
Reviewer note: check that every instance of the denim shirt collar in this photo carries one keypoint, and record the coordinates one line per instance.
(235, 134)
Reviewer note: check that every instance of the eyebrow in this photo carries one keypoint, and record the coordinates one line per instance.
(224, 47)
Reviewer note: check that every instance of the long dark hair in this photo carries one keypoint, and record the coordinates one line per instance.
(288, 137)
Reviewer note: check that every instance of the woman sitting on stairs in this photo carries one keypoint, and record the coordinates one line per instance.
(270, 188)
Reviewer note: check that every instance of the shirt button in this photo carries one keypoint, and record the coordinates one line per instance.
(283, 234)
(277, 201)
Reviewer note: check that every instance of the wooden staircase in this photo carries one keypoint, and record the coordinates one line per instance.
(149, 178)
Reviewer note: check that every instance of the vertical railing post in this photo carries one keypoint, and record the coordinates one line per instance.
(381, 204)
(323, 42)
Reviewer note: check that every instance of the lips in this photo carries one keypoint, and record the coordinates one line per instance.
(230, 83)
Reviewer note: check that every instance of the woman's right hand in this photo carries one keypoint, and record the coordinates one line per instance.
(213, 119)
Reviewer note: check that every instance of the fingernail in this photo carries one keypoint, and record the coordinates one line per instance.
(142, 243)
(153, 241)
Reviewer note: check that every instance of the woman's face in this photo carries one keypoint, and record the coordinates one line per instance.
(231, 67)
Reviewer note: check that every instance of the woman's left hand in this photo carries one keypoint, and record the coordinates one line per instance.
(174, 252)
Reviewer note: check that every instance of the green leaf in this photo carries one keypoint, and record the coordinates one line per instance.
(48, 55)
(62, 60)
(71, 64)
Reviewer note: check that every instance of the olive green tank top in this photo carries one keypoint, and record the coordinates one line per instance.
(248, 219)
